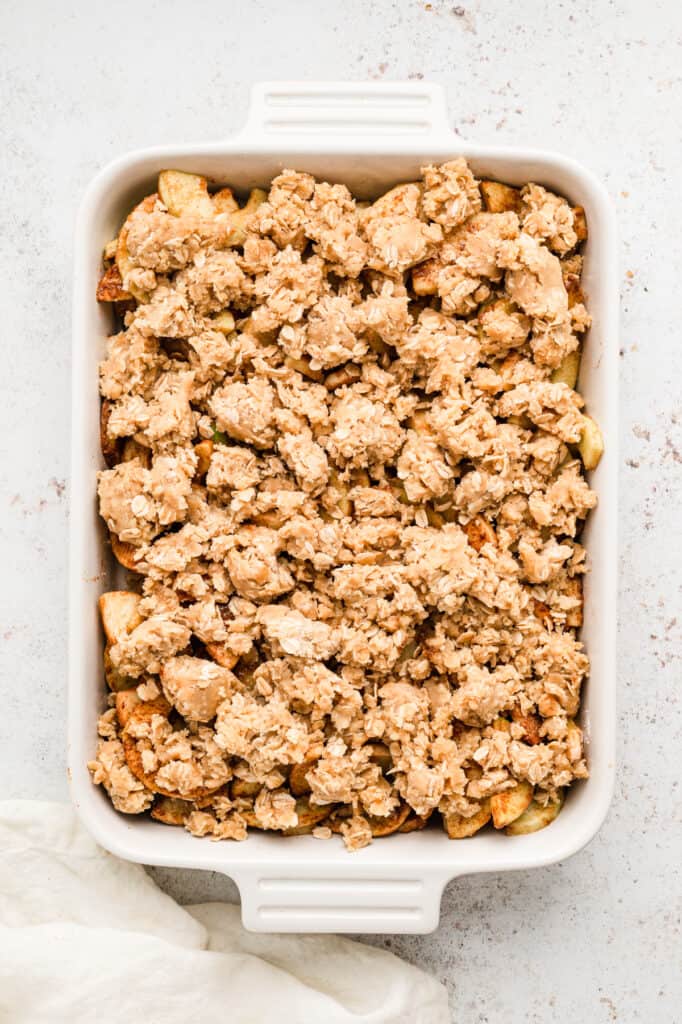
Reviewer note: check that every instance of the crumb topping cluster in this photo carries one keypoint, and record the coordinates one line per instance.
(342, 445)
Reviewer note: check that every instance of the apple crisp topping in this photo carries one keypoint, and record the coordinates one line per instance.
(346, 462)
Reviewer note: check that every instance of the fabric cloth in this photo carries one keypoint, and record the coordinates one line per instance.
(85, 937)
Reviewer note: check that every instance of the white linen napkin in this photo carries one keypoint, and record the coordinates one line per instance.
(85, 937)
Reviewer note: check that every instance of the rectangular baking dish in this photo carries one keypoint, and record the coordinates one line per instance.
(369, 136)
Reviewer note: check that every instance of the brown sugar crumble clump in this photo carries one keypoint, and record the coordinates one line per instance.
(346, 462)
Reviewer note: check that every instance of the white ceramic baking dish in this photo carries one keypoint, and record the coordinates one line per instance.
(369, 136)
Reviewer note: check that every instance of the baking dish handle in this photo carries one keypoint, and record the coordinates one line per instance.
(334, 109)
(317, 899)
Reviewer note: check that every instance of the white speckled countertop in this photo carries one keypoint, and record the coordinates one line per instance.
(594, 939)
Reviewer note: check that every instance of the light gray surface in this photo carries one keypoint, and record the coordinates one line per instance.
(594, 939)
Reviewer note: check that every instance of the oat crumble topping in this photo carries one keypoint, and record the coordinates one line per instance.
(344, 460)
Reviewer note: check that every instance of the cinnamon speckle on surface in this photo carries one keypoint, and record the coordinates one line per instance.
(58, 486)
(592, 938)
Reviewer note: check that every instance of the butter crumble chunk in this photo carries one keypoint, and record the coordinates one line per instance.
(343, 448)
